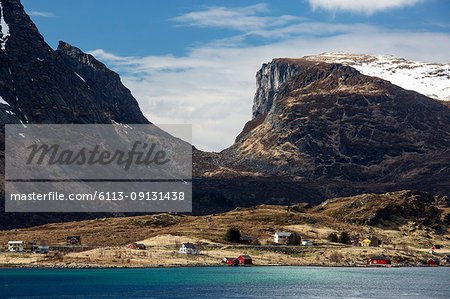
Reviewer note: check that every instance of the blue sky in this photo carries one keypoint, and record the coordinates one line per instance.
(195, 61)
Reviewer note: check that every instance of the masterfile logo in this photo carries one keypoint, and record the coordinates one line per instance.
(97, 168)
(145, 156)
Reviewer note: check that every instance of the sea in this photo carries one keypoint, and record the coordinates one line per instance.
(227, 282)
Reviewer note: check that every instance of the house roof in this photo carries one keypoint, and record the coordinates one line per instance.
(189, 245)
(283, 234)
(379, 258)
(245, 257)
(246, 238)
(15, 242)
(138, 244)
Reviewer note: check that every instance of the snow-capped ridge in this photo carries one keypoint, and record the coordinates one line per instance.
(430, 79)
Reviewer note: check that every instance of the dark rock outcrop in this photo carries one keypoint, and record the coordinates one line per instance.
(116, 100)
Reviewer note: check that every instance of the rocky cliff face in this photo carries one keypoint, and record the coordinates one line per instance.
(268, 80)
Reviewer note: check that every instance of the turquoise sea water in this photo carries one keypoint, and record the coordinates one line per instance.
(231, 282)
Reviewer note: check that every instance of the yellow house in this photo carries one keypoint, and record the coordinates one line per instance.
(366, 242)
(16, 246)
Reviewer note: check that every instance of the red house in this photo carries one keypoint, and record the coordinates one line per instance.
(245, 259)
(379, 260)
(137, 246)
(231, 261)
(433, 261)
(73, 240)
(246, 240)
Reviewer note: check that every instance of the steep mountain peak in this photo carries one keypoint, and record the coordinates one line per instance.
(77, 54)
(41, 85)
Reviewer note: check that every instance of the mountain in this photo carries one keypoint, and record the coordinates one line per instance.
(319, 130)
(41, 85)
(329, 129)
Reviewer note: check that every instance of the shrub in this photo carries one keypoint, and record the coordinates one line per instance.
(335, 257)
(333, 237)
(344, 238)
(233, 235)
(294, 239)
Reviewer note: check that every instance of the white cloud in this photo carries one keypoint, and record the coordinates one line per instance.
(44, 14)
(212, 86)
(361, 6)
(244, 19)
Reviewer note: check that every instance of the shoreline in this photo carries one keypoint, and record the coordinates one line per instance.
(82, 266)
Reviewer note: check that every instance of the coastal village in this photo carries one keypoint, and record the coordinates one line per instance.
(281, 240)
(264, 235)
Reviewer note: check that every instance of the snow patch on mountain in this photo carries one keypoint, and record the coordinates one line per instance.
(5, 29)
(80, 77)
(430, 79)
(2, 101)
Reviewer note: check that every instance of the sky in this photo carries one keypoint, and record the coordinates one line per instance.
(194, 62)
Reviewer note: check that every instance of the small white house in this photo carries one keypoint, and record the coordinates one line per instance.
(188, 248)
(307, 243)
(16, 246)
(281, 237)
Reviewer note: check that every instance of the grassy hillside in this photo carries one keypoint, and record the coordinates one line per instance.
(405, 237)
